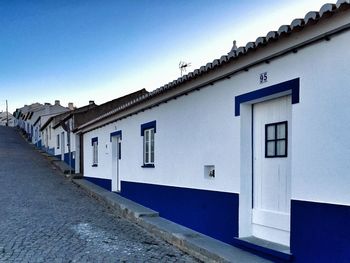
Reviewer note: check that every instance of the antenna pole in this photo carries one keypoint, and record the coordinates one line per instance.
(183, 66)
(7, 115)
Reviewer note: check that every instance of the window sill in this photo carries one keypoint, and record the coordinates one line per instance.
(94, 165)
(148, 166)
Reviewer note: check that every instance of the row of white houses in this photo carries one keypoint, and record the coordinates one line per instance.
(30, 118)
(251, 149)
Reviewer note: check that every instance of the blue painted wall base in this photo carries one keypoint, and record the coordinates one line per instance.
(104, 183)
(38, 144)
(320, 232)
(50, 151)
(209, 212)
(72, 160)
(66, 159)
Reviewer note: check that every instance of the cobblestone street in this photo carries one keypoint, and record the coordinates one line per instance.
(45, 218)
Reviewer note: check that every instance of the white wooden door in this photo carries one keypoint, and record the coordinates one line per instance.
(116, 156)
(272, 170)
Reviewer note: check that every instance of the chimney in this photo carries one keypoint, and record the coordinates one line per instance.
(47, 104)
(70, 106)
(91, 102)
(57, 102)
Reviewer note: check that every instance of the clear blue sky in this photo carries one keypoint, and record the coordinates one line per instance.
(81, 50)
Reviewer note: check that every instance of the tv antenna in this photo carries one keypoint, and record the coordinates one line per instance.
(183, 66)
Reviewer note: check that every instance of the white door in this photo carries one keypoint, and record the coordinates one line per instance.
(272, 170)
(116, 156)
(62, 146)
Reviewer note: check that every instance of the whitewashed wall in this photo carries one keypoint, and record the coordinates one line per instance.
(51, 138)
(59, 130)
(201, 129)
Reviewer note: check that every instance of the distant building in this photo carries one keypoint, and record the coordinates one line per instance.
(7, 119)
(58, 131)
(22, 114)
(29, 118)
(57, 136)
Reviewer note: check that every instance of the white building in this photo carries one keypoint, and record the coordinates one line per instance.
(58, 136)
(22, 114)
(41, 116)
(7, 119)
(251, 147)
(28, 118)
(60, 139)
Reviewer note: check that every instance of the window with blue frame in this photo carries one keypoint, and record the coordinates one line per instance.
(148, 131)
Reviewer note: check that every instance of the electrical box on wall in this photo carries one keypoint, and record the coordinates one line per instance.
(209, 171)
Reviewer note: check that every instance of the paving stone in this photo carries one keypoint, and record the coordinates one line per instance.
(46, 218)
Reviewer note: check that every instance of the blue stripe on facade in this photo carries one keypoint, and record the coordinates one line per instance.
(38, 144)
(72, 161)
(212, 213)
(290, 85)
(116, 133)
(104, 183)
(148, 125)
(95, 139)
(50, 151)
(66, 159)
(320, 232)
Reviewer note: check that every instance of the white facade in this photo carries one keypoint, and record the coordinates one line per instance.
(44, 113)
(23, 112)
(41, 120)
(55, 139)
(202, 125)
(198, 129)
(30, 118)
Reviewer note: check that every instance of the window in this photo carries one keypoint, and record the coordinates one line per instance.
(148, 147)
(147, 131)
(276, 139)
(58, 141)
(94, 143)
(50, 132)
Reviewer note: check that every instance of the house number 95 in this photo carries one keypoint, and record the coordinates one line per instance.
(263, 77)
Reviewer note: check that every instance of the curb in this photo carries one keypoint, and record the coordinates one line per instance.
(193, 243)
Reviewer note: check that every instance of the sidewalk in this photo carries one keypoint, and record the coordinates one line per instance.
(196, 244)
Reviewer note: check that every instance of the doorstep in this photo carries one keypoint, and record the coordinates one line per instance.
(265, 248)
